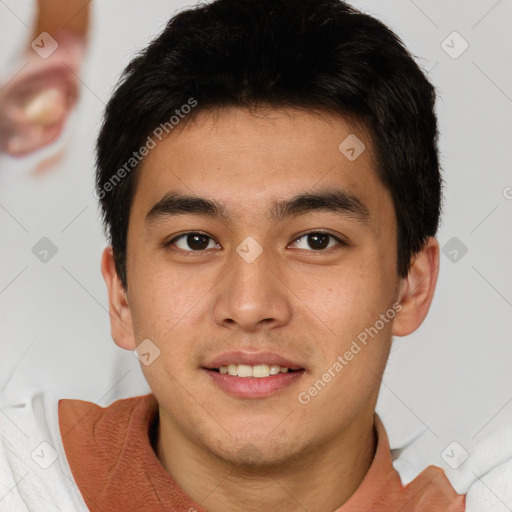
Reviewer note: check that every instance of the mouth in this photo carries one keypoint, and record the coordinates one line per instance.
(259, 371)
(253, 375)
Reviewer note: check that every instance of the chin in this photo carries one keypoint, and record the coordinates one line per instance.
(263, 453)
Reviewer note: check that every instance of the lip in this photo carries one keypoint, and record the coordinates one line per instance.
(253, 387)
(252, 359)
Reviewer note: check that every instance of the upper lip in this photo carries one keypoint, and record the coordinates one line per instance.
(252, 359)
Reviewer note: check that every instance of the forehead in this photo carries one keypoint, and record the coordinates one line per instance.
(250, 160)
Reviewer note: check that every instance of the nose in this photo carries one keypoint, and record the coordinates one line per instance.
(253, 296)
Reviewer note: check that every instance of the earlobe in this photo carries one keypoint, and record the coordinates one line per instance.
(121, 325)
(417, 289)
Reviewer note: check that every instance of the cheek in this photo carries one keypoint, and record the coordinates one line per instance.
(350, 373)
(348, 298)
(356, 345)
(165, 296)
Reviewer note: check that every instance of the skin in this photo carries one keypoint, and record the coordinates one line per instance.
(309, 305)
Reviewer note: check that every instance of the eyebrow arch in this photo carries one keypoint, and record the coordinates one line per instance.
(328, 199)
(176, 203)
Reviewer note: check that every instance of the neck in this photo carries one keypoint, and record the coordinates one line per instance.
(320, 480)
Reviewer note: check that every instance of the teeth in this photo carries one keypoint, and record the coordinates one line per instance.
(246, 370)
(275, 369)
(261, 370)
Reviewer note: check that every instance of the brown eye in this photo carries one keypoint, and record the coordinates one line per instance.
(197, 242)
(317, 241)
(192, 242)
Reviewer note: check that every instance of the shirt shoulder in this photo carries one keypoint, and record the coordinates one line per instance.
(492, 492)
(110, 452)
(432, 491)
(480, 467)
(384, 490)
(34, 473)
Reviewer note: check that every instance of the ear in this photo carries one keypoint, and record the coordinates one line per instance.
(121, 325)
(417, 289)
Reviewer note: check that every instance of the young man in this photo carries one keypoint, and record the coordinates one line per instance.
(269, 180)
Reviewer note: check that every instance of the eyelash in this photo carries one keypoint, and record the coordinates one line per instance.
(192, 252)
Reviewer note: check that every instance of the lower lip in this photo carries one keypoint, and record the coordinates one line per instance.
(253, 387)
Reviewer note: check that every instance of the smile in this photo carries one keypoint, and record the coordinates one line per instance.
(246, 370)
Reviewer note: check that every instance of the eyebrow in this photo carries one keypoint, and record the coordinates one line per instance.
(329, 199)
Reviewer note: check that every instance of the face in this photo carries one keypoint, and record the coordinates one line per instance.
(254, 245)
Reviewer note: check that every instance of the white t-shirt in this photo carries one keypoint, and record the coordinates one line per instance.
(34, 472)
